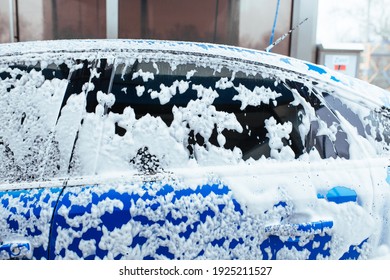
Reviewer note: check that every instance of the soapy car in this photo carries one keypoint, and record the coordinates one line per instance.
(142, 149)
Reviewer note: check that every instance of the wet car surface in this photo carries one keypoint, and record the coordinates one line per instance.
(126, 149)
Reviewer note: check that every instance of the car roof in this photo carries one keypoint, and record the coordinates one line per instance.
(359, 91)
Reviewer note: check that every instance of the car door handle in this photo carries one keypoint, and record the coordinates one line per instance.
(15, 250)
(294, 230)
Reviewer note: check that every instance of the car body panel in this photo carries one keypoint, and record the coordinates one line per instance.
(26, 217)
(239, 217)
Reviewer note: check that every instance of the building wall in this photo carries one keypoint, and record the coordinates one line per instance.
(202, 20)
(303, 40)
(74, 19)
(31, 20)
(256, 22)
(246, 23)
(4, 21)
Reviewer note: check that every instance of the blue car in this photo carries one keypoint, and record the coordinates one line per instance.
(137, 149)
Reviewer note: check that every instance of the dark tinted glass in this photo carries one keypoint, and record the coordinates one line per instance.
(378, 126)
(325, 134)
(156, 89)
(370, 124)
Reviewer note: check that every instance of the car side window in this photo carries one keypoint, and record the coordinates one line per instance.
(30, 98)
(81, 111)
(158, 115)
(367, 123)
(378, 126)
(324, 133)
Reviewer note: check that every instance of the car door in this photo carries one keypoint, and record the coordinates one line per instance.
(31, 174)
(42, 97)
(186, 156)
(364, 174)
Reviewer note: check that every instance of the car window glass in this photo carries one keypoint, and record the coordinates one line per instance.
(378, 127)
(30, 98)
(369, 124)
(80, 111)
(325, 134)
(328, 137)
(160, 115)
(337, 105)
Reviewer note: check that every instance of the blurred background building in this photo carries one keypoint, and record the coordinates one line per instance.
(246, 23)
(361, 22)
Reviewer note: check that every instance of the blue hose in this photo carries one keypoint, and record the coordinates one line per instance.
(271, 40)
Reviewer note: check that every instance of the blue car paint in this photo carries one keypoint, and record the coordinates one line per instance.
(299, 237)
(388, 175)
(321, 71)
(271, 246)
(353, 252)
(27, 215)
(339, 195)
(120, 217)
(316, 68)
(286, 60)
(274, 244)
(182, 227)
(15, 250)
